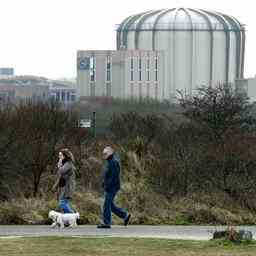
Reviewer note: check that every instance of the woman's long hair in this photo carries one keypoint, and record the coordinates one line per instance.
(68, 156)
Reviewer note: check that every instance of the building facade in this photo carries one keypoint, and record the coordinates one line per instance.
(6, 72)
(19, 88)
(63, 94)
(120, 74)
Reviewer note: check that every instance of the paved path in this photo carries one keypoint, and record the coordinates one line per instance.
(170, 232)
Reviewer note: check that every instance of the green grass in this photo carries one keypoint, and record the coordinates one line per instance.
(85, 246)
(182, 220)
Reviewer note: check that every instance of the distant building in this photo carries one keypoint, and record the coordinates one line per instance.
(15, 93)
(161, 52)
(35, 92)
(63, 92)
(7, 93)
(6, 71)
(121, 74)
(17, 88)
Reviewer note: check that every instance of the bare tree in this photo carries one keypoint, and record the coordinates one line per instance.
(225, 116)
(220, 109)
(40, 128)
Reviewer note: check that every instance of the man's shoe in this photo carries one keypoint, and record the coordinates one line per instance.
(126, 221)
(103, 226)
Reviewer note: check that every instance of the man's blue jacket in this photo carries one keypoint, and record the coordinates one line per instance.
(112, 175)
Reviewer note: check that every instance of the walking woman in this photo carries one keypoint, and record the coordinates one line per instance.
(65, 182)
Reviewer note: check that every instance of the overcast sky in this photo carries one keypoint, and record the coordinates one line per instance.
(41, 37)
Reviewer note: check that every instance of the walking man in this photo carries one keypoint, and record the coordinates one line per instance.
(111, 185)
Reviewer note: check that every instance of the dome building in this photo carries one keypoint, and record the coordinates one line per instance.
(175, 49)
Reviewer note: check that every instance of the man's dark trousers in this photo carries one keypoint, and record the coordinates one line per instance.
(109, 207)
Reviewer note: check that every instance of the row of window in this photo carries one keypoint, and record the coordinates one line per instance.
(108, 69)
(147, 69)
(64, 96)
(93, 68)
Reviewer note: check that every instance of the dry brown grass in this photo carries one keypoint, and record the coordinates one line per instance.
(146, 207)
(137, 196)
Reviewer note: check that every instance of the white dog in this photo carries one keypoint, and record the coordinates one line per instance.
(62, 219)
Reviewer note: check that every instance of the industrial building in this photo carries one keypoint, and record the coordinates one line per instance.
(63, 91)
(160, 52)
(121, 74)
(19, 88)
(6, 72)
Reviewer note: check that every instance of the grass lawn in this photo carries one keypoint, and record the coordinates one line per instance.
(88, 246)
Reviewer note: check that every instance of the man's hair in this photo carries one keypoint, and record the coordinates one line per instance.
(108, 150)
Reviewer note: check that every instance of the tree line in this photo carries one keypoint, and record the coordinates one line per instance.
(210, 148)
(206, 143)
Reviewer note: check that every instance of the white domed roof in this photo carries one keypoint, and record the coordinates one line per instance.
(180, 19)
(200, 46)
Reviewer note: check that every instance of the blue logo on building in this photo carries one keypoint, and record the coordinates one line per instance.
(83, 63)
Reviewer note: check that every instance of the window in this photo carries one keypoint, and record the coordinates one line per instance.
(57, 96)
(140, 78)
(63, 96)
(92, 68)
(92, 62)
(108, 68)
(156, 63)
(131, 63)
(92, 75)
(147, 69)
(156, 68)
(108, 75)
(68, 96)
(131, 66)
(131, 75)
